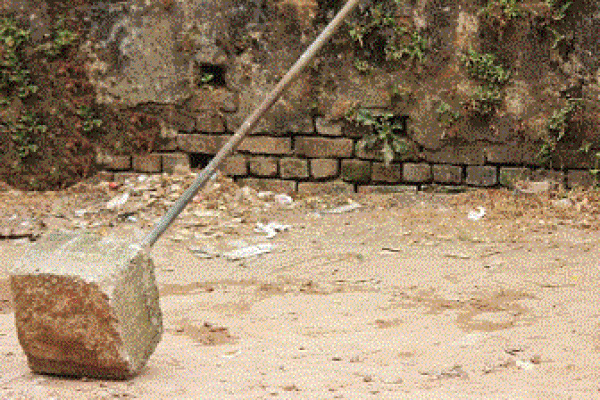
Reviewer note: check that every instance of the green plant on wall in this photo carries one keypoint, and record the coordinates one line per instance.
(89, 121)
(558, 8)
(484, 68)
(61, 39)
(503, 9)
(557, 128)
(384, 134)
(378, 34)
(446, 116)
(25, 134)
(14, 76)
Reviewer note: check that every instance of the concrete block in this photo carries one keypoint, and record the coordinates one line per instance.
(86, 305)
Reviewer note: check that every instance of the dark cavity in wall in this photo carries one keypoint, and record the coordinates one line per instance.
(209, 74)
(199, 160)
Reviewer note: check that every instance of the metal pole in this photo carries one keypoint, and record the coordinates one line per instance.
(249, 124)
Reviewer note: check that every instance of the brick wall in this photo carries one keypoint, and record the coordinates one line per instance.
(329, 159)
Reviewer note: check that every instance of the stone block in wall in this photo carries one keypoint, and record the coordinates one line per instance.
(323, 147)
(212, 98)
(581, 178)
(150, 163)
(327, 127)
(509, 175)
(357, 171)
(445, 173)
(484, 175)
(175, 163)
(114, 163)
(235, 165)
(383, 173)
(573, 159)
(201, 143)
(322, 168)
(416, 172)
(368, 153)
(463, 154)
(293, 168)
(210, 122)
(263, 166)
(514, 153)
(181, 122)
(266, 145)
(367, 189)
(317, 188)
(273, 185)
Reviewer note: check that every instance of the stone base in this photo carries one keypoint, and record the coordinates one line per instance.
(86, 306)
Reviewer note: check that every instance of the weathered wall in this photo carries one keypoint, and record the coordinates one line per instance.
(209, 63)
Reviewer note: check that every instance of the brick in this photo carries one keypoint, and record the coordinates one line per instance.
(201, 143)
(266, 145)
(357, 171)
(355, 130)
(147, 163)
(114, 163)
(416, 172)
(321, 168)
(504, 154)
(323, 147)
(466, 154)
(383, 173)
(175, 163)
(235, 165)
(317, 188)
(443, 173)
(273, 185)
(293, 168)
(210, 122)
(581, 178)
(367, 189)
(482, 175)
(86, 306)
(327, 127)
(212, 98)
(263, 166)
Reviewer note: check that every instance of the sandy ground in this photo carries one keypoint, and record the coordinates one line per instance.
(405, 298)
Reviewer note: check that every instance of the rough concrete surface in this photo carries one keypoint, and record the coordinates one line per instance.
(86, 305)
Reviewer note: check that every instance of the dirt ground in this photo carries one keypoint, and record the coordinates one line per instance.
(402, 298)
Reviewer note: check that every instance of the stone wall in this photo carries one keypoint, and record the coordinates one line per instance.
(489, 89)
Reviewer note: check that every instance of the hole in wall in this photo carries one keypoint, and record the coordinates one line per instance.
(209, 74)
(199, 160)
